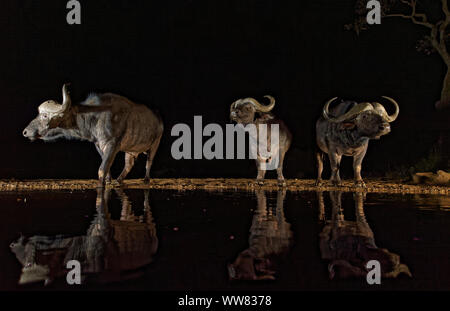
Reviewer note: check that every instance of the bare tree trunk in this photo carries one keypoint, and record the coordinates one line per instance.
(444, 101)
(444, 138)
(445, 95)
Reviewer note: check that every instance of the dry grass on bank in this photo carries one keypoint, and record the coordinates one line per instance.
(221, 184)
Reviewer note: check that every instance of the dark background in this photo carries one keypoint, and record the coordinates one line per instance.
(189, 58)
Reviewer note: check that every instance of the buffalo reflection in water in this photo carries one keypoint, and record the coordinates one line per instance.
(111, 250)
(349, 245)
(270, 239)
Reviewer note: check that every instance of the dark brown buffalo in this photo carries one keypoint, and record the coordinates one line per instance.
(349, 245)
(346, 131)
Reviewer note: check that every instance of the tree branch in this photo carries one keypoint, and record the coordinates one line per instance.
(413, 19)
(414, 16)
(438, 30)
(445, 9)
(443, 33)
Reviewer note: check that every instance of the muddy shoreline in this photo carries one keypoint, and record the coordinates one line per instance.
(222, 184)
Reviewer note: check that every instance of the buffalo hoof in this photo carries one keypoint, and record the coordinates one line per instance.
(281, 183)
(260, 181)
(318, 183)
(108, 180)
(101, 184)
(360, 183)
(146, 180)
(336, 183)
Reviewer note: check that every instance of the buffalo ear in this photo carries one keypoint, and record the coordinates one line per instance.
(348, 125)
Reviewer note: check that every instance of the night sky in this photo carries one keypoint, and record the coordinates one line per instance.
(187, 58)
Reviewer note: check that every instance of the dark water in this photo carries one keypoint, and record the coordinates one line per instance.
(168, 240)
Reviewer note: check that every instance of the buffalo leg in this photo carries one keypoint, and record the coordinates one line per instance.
(129, 162)
(281, 195)
(319, 159)
(261, 172)
(150, 155)
(322, 215)
(358, 197)
(281, 181)
(357, 162)
(107, 160)
(337, 214)
(335, 161)
(108, 176)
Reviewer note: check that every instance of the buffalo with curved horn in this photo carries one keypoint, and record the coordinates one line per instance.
(111, 249)
(249, 111)
(348, 245)
(112, 122)
(270, 241)
(346, 129)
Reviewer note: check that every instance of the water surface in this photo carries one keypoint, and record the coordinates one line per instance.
(168, 240)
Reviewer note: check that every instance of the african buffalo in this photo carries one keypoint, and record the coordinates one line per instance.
(349, 245)
(249, 111)
(346, 130)
(270, 240)
(112, 122)
(111, 249)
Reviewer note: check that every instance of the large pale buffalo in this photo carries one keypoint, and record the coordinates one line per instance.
(249, 111)
(111, 250)
(112, 122)
(346, 130)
